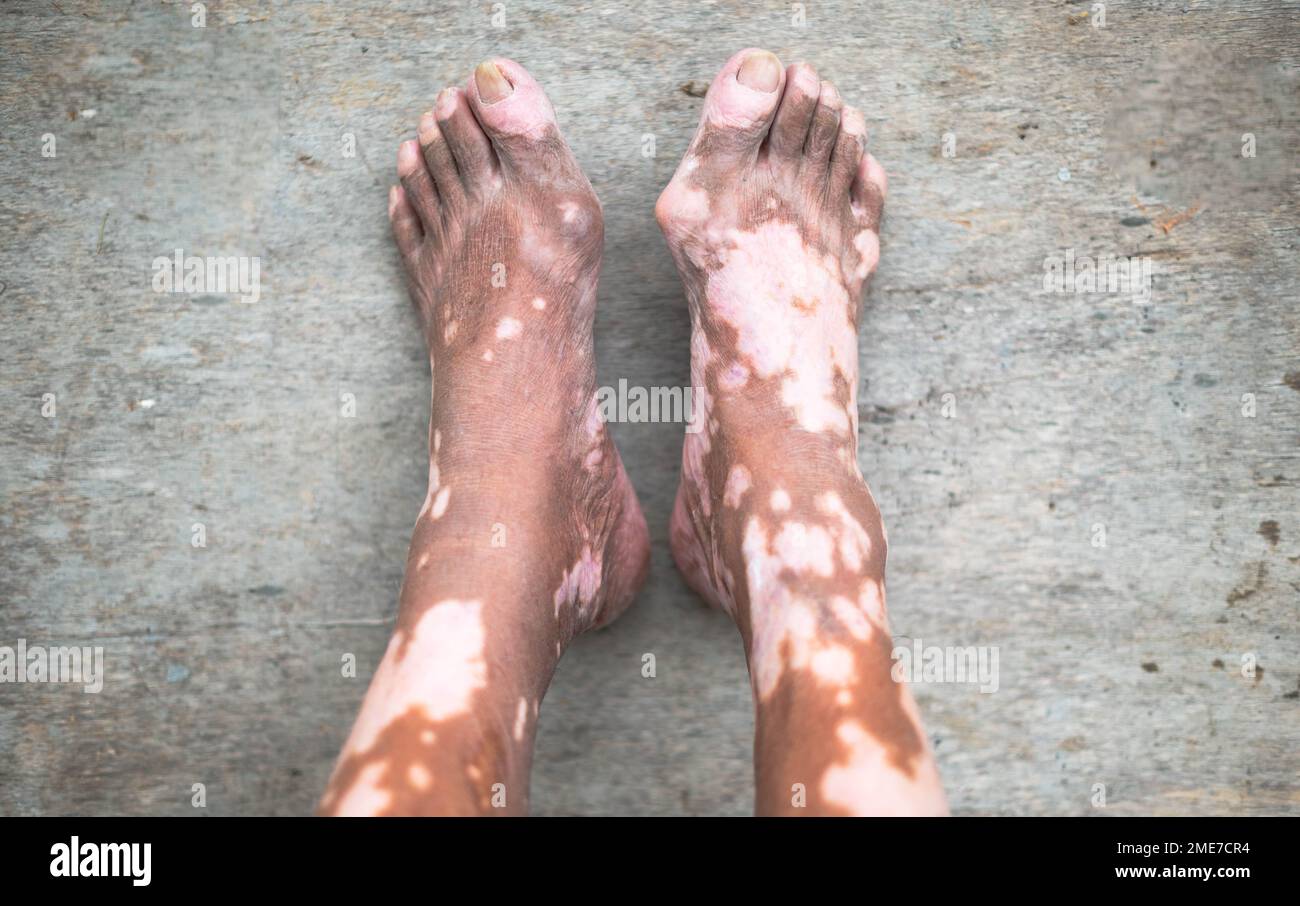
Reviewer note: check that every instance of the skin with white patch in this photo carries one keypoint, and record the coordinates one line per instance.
(440, 502)
(773, 221)
(737, 484)
(792, 317)
(500, 236)
(508, 328)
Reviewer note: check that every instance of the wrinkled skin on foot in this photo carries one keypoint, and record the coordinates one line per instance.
(501, 234)
(530, 532)
(772, 219)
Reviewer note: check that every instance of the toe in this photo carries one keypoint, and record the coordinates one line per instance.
(417, 182)
(439, 162)
(513, 110)
(850, 145)
(406, 225)
(475, 159)
(868, 193)
(795, 113)
(739, 106)
(825, 126)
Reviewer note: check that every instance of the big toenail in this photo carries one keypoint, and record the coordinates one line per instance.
(492, 84)
(761, 71)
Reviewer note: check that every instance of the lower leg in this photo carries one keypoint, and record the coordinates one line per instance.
(772, 220)
(530, 532)
(447, 725)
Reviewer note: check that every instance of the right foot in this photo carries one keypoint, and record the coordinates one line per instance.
(772, 219)
(501, 235)
(530, 532)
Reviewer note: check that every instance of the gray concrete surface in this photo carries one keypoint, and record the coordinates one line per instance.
(1072, 414)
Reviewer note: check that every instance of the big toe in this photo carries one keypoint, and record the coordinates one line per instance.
(740, 104)
(512, 108)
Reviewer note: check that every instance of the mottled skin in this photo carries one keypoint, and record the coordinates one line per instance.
(531, 532)
(772, 219)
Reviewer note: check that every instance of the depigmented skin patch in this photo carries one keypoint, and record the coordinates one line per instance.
(773, 221)
(526, 495)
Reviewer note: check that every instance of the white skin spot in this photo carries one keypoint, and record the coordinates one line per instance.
(440, 502)
(437, 678)
(449, 331)
(423, 561)
(780, 501)
(854, 542)
(738, 480)
(852, 617)
(420, 777)
(805, 549)
(792, 317)
(450, 668)
(437, 440)
(521, 720)
(427, 737)
(833, 665)
(508, 328)
(844, 698)
(538, 251)
(869, 784)
(434, 477)
(578, 586)
(786, 628)
(539, 303)
(487, 355)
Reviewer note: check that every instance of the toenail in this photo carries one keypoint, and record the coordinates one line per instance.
(428, 128)
(761, 70)
(830, 98)
(445, 104)
(408, 157)
(492, 83)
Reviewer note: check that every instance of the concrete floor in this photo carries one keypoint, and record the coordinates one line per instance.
(1007, 431)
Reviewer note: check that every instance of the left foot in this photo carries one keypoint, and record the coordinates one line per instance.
(531, 532)
(772, 220)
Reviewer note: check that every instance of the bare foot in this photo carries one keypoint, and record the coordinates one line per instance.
(530, 532)
(501, 236)
(772, 219)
